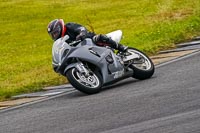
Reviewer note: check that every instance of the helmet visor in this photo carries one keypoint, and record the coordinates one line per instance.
(55, 34)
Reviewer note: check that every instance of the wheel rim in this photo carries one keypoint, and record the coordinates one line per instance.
(91, 81)
(142, 62)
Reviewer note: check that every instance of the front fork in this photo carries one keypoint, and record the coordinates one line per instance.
(81, 68)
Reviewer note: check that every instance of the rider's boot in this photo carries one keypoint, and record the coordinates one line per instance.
(122, 48)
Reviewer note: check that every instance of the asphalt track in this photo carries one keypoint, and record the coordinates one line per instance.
(169, 102)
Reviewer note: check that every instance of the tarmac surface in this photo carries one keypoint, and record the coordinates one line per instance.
(169, 102)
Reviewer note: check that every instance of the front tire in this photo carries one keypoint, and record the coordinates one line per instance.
(143, 67)
(87, 84)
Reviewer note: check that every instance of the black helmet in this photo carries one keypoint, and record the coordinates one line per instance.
(56, 29)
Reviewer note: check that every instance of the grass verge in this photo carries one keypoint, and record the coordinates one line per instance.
(25, 63)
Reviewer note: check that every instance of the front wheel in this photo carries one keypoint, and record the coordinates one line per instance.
(142, 66)
(89, 84)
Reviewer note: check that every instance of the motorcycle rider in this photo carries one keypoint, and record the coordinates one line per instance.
(57, 29)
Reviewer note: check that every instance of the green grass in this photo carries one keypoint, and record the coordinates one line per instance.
(25, 47)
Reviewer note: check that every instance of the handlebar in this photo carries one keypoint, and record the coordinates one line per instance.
(74, 42)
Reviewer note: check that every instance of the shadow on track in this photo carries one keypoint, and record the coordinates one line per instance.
(104, 88)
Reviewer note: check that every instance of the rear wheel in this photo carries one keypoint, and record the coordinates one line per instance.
(88, 84)
(142, 66)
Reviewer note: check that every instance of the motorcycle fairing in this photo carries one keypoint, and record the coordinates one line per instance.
(97, 55)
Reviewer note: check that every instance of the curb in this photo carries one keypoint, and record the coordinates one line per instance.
(186, 44)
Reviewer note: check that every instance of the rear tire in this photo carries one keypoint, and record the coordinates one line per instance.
(143, 68)
(88, 85)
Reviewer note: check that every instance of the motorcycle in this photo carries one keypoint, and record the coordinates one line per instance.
(89, 67)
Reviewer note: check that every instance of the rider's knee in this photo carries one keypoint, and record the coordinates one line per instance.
(100, 38)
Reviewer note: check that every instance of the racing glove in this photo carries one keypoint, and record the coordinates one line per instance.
(81, 36)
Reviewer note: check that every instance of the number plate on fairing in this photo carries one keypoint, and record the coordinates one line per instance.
(118, 74)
